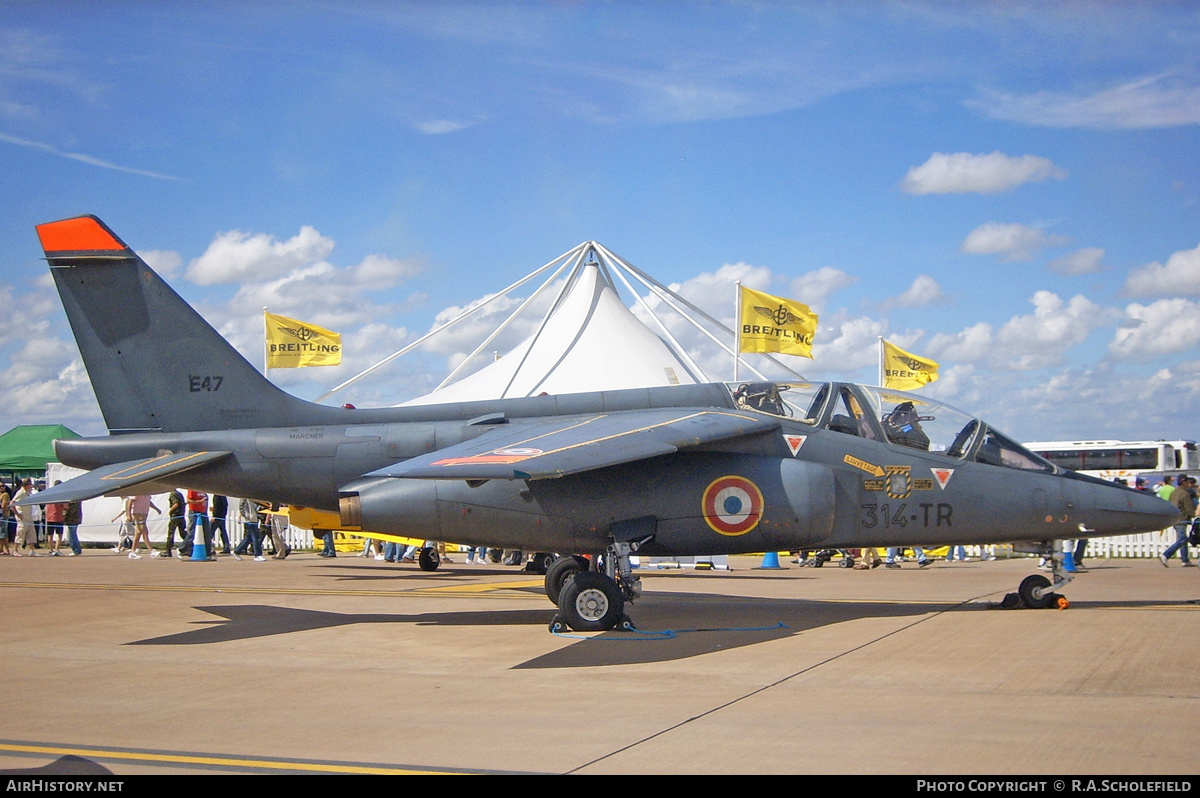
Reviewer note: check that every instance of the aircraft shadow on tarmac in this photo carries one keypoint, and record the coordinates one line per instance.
(672, 627)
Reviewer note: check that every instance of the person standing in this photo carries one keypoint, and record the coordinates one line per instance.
(250, 513)
(73, 518)
(26, 534)
(137, 509)
(176, 521)
(5, 513)
(1165, 490)
(279, 525)
(220, 509)
(55, 517)
(1183, 499)
(197, 504)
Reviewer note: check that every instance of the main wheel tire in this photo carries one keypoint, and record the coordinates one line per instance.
(428, 559)
(559, 572)
(591, 602)
(1035, 584)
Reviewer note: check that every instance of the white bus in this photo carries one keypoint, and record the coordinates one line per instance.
(1121, 459)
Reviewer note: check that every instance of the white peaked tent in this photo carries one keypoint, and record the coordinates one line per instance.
(588, 340)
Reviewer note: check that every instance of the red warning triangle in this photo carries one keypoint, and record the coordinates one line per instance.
(942, 475)
(794, 442)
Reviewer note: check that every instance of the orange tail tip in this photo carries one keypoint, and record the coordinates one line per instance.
(81, 234)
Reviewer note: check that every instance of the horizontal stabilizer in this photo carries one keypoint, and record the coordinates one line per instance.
(541, 449)
(119, 476)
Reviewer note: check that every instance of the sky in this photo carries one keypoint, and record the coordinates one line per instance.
(1011, 189)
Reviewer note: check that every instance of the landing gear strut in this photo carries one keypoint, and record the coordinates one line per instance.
(594, 600)
(1036, 591)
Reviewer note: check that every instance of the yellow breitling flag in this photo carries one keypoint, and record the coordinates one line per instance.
(772, 324)
(905, 371)
(292, 344)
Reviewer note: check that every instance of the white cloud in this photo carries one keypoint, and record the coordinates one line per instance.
(1040, 339)
(1094, 403)
(1088, 260)
(164, 261)
(971, 345)
(293, 278)
(713, 292)
(1010, 241)
(1167, 100)
(1180, 275)
(463, 337)
(1163, 327)
(45, 383)
(439, 127)
(843, 345)
(814, 288)
(91, 160)
(962, 173)
(235, 256)
(923, 292)
(379, 271)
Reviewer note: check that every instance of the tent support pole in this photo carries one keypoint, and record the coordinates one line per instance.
(469, 311)
(504, 325)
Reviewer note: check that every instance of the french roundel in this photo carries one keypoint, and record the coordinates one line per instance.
(732, 505)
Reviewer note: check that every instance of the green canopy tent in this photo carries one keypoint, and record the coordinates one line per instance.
(24, 451)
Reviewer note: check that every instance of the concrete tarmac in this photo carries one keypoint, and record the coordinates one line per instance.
(352, 665)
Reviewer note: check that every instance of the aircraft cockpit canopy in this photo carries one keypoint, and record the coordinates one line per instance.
(799, 400)
(928, 425)
(896, 417)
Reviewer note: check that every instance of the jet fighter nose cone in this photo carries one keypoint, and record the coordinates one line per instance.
(1116, 510)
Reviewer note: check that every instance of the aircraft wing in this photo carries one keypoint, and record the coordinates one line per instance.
(545, 448)
(116, 477)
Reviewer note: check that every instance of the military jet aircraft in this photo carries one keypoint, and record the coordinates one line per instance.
(678, 470)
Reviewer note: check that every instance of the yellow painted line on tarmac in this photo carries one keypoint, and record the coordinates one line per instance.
(488, 589)
(239, 763)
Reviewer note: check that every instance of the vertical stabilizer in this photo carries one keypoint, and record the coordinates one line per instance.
(154, 363)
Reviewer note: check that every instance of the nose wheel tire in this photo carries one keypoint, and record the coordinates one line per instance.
(591, 602)
(1035, 592)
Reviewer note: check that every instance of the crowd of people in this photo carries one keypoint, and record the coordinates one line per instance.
(1181, 492)
(35, 530)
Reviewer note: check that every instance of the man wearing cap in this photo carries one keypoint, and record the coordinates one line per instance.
(1182, 498)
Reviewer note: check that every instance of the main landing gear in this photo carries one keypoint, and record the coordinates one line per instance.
(1036, 591)
(591, 594)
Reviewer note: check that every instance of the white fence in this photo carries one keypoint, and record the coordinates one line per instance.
(1149, 544)
(1143, 546)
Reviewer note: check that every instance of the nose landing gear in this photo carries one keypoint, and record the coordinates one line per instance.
(1036, 591)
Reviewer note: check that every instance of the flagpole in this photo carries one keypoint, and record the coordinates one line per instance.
(881, 361)
(266, 346)
(737, 327)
